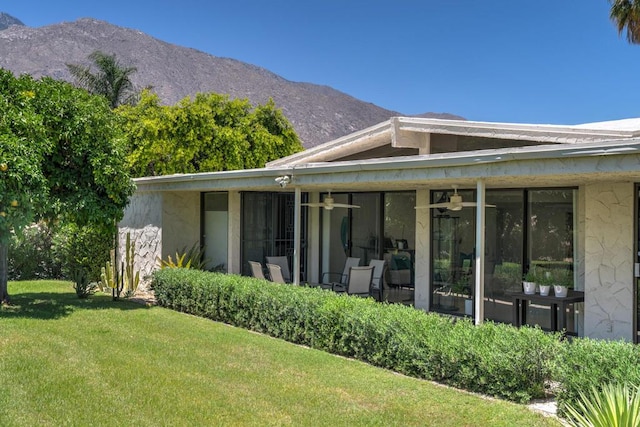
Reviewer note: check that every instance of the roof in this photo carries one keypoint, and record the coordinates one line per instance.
(412, 132)
(557, 155)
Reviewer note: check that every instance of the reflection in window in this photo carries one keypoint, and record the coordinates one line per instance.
(542, 235)
(216, 236)
(268, 228)
(382, 228)
(399, 238)
(452, 248)
(504, 239)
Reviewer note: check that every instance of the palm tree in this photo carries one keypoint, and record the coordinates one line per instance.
(626, 14)
(112, 80)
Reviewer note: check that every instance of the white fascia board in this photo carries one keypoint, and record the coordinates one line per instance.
(245, 179)
(308, 173)
(470, 158)
(371, 137)
(558, 134)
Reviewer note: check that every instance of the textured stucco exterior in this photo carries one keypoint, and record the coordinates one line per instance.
(608, 280)
(143, 219)
(181, 221)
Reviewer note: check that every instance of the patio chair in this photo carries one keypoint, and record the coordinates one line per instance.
(341, 278)
(378, 280)
(275, 273)
(400, 269)
(256, 270)
(283, 262)
(359, 282)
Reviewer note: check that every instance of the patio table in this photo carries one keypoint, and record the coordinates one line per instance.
(558, 323)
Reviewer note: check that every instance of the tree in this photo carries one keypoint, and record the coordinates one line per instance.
(206, 134)
(626, 15)
(62, 157)
(111, 80)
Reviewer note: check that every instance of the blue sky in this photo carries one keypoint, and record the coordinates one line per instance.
(544, 61)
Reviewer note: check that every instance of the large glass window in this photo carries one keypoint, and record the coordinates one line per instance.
(216, 230)
(504, 240)
(382, 228)
(550, 245)
(268, 228)
(453, 255)
(365, 227)
(523, 229)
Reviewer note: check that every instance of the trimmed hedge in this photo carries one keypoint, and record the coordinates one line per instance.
(493, 359)
(586, 363)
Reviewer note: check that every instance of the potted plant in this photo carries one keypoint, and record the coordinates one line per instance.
(529, 281)
(544, 282)
(563, 281)
(462, 288)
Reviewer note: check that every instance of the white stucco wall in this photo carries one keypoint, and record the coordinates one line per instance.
(181, 221)
(143, 219)
(608, 263)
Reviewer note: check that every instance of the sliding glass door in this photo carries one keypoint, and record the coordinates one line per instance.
(383, 227)
(268, 228)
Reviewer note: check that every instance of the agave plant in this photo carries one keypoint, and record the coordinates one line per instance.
(615, 405)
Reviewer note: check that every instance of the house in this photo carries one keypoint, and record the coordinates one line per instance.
(459, 209)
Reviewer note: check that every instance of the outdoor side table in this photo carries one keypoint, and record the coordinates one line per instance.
(558, 322)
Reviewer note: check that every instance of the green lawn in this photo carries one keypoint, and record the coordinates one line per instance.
(66, 361)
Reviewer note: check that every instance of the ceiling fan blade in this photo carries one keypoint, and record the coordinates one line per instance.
(343, 205)
(445, 205)
(312, 205)
(451, 205)
(474, 204)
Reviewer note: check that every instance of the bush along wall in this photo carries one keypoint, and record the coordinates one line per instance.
(586, 363)
(494, 359)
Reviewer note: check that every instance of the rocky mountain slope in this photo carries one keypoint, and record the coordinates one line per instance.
(7, 20)
(318, 113)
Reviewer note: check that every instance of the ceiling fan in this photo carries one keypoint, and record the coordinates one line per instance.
(328, 203)
(455, 202)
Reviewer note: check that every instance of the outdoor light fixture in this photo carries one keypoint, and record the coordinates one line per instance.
(283, 180)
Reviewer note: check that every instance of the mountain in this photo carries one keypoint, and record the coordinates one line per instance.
(318, 113)
(7, 20)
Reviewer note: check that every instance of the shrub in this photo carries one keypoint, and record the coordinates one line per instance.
(585, 364)
(615, 405)
(494, 359)
(81, 284)
(30, 255)
(82, 248)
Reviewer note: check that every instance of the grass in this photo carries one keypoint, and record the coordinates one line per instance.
(66, 361)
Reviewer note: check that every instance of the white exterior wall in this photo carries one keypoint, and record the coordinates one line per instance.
(181, 222)
(608, 263)
(143, 219)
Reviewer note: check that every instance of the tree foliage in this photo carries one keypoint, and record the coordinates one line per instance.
(626, 16)
(208, 133)
(111, 79)
(62, 157)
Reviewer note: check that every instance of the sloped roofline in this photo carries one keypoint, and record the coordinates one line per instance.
(393, 130)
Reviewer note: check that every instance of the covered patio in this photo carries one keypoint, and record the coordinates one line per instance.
(555, 197)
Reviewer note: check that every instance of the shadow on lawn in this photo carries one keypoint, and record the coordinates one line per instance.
(51, 305)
